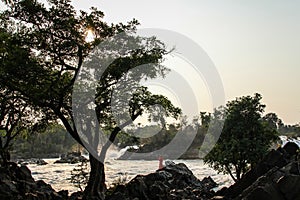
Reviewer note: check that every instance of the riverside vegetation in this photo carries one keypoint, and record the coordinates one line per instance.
(42, 51)
(142, 186)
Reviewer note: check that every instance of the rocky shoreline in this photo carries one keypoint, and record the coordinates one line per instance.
(277, 176)
(16, 182)
(174, 181)
(71, 158)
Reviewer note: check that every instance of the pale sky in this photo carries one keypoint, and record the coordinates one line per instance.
(254, 44)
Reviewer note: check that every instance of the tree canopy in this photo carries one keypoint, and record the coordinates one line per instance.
(43, 52)
(245, 138)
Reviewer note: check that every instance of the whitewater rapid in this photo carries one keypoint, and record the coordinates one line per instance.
(58, 175)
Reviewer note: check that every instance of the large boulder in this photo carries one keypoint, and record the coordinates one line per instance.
(16, 182)
(71, 158)
(277, 176)
(174, 181)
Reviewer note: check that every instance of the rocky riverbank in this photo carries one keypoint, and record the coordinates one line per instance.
(174, 181)
(277, 176)
(16, 183)
(71, 158)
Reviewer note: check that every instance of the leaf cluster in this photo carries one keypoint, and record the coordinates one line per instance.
(245, 138)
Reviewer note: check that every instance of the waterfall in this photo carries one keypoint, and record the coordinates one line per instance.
(285, 139)
(114, 152)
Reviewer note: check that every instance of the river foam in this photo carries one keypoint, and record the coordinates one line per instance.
(58, 175)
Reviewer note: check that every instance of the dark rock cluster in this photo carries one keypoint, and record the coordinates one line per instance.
(16, 183)
(276, 177)
(36, 161)
(71, 158)
(175, 181)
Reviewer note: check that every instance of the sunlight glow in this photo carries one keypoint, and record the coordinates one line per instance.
(89, 35)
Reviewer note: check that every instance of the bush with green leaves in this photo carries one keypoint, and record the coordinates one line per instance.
(245, 139)
(80, 175)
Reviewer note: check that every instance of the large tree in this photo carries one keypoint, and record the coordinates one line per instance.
(14, 118)
(245, 138)
(53, 39)
(16, 114)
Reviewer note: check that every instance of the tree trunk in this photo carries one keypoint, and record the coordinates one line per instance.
(5, 157)
(230, 173)
(96, 187)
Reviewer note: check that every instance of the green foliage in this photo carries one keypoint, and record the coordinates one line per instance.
(245, 137)
(44, 51)
(51, 42)
(15, 117)
(148, 138)
(155, 137)
(124, 139)
(49, 142)
(208, 128)
(80, 175)
(290, 130)
(122, 179)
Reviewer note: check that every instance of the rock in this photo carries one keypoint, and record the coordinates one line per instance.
(17, 183)
(294, 168)
(169, 162)
(275, 177)
(289, 185)
(41, 162)
(217, 197)
(64, 194)
(8, 190)
(118, 196)
(174, 181)
(31, 161)
(261, 193)
(158, 190)
(24, 173)
(76, 196)
(138, 188)
(209, 183)
(291, 148)
(71, 158)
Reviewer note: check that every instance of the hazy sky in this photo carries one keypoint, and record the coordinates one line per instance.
(254, 44)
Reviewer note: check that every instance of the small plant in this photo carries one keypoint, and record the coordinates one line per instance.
(120, 180)
(80, 175)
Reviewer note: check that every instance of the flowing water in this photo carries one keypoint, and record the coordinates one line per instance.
(58, 175)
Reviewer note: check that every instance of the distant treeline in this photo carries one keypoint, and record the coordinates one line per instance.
(55, 140)
(51, 142)
(290, 130)
(200, 125)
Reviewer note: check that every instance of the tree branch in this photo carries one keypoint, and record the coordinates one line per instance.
(230, 173)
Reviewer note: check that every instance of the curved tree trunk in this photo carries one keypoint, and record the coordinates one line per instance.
(96, 187)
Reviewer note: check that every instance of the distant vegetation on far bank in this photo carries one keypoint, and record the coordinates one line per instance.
(51, 142)
(55, 140)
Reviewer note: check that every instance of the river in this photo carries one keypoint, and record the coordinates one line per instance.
(58, 175)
